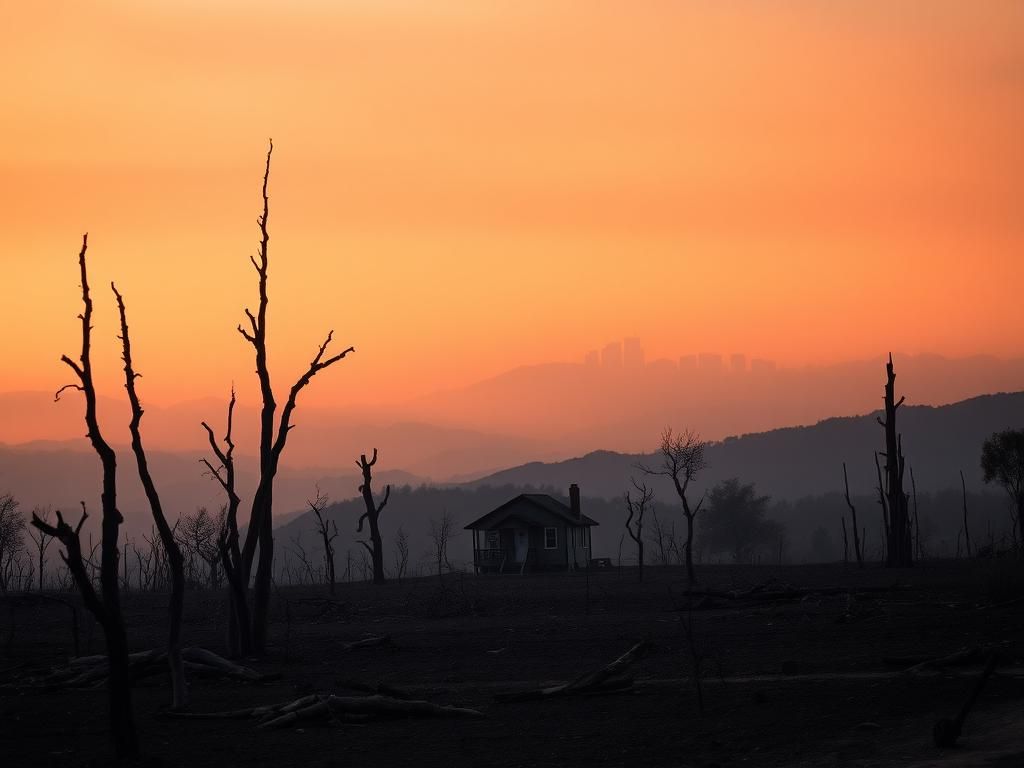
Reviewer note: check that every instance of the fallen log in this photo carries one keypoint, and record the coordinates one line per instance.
(368, 642)
(607, 679)
(946, 731)
(315, 707)
(88, 671)
(761, 593)
(961, 657)
(381, 688)
(210, 660)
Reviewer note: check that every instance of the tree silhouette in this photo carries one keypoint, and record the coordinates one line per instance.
(175, 561)
(12, 526)
(372, 515)
(682, 459)
(900, 547)
(328, 531)
(1002, 461)
(239, 624)
(40, 538)
(260, 533)
(967, 531)
(440, 534)
(106, 605)
(858, 551)
(635, 520)
(734, 521)
(401, 542)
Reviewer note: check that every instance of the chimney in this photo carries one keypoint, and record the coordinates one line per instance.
(574, 501)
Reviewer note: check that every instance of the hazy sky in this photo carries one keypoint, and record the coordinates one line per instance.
(462, 187)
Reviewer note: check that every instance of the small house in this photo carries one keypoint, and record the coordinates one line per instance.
(532, 532)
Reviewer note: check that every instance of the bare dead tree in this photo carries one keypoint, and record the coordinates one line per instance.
(663, 536)
(440, 533)
(883, 501)
(105, 606)
(682, 459)
(857, 549)
(159, 573)
(239, 624)
(401, 553)
(900, 553)
(967, 532)
(299, 550)
(919, 553)
(372, 515)
(176, 607)
(635, 521)
(41, 539)
(12, 528)
(328, 531)
(198, 534)
(260, 532)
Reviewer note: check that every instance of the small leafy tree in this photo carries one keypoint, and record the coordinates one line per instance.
(1002, 461)
(735, 521)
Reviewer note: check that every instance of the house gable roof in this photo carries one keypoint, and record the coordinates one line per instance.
(541, 501)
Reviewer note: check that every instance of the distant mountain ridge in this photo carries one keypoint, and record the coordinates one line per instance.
(793, 462)
(575, 407)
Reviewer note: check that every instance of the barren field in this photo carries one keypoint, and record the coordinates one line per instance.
(811, 679)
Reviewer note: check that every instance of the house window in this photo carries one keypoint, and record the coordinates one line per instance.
(550, 538)
(492, 540)
(586, 537)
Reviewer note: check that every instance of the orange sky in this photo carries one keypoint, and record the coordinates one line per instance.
(463, 187)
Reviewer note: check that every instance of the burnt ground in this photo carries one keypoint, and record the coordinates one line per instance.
(790, 682)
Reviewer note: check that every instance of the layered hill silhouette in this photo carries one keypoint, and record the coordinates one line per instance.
(788, 463)
(796, 462)
(800, 467)
(536, 413)
(576, 407)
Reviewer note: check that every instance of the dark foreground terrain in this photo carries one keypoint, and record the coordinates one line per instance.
(813, 680)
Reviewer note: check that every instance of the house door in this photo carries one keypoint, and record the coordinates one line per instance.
(522, 545)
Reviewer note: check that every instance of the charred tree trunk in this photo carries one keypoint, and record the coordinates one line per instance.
(179, 691)
(328, 531)
(690, 514)
(106, 606)
(967, 533)
(239, 626)
(918, 554)
(260, 535)
(635, 521)
(900, 550)
(371, 516)
(857, 551)
(682, 459)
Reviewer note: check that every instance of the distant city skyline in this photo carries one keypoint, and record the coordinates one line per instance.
(630, 353)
